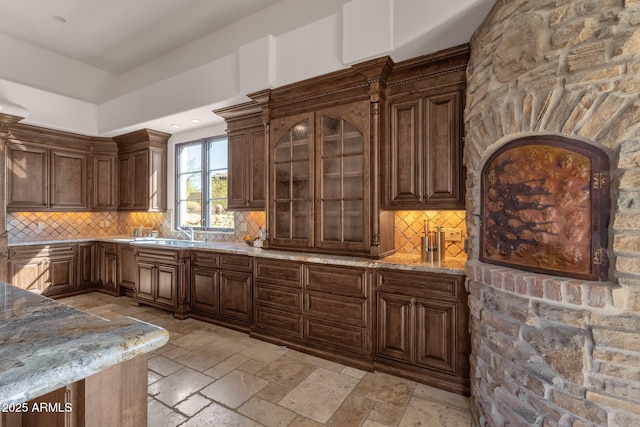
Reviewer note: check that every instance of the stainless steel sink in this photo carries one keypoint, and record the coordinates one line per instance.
(168, 242)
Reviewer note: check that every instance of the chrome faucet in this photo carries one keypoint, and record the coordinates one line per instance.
(189, 234)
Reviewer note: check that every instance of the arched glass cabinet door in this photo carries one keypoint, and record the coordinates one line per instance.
(292, 185)
(341, 197)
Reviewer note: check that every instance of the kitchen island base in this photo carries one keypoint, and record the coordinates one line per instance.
(116, 396)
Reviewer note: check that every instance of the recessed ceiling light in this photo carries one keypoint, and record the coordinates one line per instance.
(175, 126)
(195, 120)
(59, 19)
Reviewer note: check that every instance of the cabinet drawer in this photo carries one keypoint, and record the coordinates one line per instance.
(279, 272)
(280, 298)
(29, 252)
(158, 255)
(337, 280)
(341, 309)
(236, 262)
(205, 259)
(280, 322)
(110, 248)
(336, 336)
(447, 286)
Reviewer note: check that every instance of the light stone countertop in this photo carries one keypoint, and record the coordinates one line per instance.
(46, 345)
(396, 261)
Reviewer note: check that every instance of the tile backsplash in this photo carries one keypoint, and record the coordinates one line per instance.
(29, 226)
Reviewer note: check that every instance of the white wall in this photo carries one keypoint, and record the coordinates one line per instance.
(207, 73)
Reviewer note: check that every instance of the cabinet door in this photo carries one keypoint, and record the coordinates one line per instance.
(436, 335)
(404, 154)
(257, 178)
(444, 174)
(157, 178)
(27, 177)
(238, 171)
(395, 332)
(342, 190)
(104, 182)
(167, 285)
(110, 273)
(235, 295)
(68, 181)
(205, 294)
(27, 274)
(127, 264)
(146, 281)
(291, 221)
(60, 275)
(139, 180)
(86, 264)
(125, 171)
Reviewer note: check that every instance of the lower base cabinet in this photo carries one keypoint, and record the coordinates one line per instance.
(320, 309)
(161, 279)
(422, 323)
(47, 269)
(221, 289)
(108, 268)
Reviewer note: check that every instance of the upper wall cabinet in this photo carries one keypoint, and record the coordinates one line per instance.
(423, 144)
(46, 170)
(247, 180)
(142, 170)
(324, 141)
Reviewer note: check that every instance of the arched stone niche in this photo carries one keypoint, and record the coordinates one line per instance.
(545, 207)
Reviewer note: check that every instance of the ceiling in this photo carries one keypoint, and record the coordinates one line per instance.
(119, 35)
(108, 67)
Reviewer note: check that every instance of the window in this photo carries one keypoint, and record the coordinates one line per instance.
(201, 185)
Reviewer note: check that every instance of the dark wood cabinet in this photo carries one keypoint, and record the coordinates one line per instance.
(127, 269)
(336, 308)
(50, 170)
(40, 178)
(27, 177)
(221, 288)
(108, 268)
(104, 191)
(322, 182)
(69, 180)
(247, 156)
(47, 269)
(422, 149)
(142, 170)
(422, 328)
(159, 277)
(425, 151)
(278, 298)
(87, 264)
(321, 309)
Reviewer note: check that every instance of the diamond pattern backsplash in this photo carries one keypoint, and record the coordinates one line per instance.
(29, 226)
(410, 229)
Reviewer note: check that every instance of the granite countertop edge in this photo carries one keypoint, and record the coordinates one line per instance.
(396, 261)
(48, 345)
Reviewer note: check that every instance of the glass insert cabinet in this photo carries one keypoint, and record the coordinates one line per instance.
(321, 175)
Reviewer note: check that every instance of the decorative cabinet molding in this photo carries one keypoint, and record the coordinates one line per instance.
(423, 144)
(51, 170)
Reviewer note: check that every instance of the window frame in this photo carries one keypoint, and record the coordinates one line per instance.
(205, 147)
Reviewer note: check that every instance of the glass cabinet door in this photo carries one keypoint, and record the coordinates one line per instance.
(292, 192)
(341, 151)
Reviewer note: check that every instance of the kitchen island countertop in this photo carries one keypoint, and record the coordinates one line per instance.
(45, 345)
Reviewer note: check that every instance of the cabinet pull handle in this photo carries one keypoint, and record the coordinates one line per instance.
(338, 336)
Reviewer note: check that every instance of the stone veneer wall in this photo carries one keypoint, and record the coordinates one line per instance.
(549, 351)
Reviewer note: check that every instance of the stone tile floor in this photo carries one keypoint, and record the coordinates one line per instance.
(208, 375)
